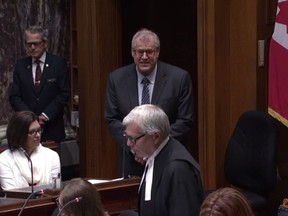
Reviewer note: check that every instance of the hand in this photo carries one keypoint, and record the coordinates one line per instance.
(42, 120)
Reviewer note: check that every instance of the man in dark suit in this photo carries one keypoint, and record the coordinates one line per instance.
(171, 184)
(41, 84)
(169, 87)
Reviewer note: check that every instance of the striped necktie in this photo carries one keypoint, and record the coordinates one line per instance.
(145, 92)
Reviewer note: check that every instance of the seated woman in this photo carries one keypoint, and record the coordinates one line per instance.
(225, 202)
(23, 136)
(80, 197)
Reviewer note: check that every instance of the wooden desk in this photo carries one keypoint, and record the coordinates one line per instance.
(12, 206)
(116, 197)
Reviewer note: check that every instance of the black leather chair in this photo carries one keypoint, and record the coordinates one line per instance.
(250, 158)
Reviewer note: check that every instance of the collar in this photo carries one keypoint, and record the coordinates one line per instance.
(148, 175)
(151, 77)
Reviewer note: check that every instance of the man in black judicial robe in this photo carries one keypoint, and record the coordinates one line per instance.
(171, 184)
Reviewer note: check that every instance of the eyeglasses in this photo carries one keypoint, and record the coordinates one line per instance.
(35, 44)
(140, 52)
(35, 131)
(133, 139)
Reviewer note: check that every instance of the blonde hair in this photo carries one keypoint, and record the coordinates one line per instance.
(225, 202)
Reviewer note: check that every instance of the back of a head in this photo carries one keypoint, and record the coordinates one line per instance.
(90, 204)
(226, 202)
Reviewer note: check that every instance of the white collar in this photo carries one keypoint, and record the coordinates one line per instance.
(151, 77)
(150, 169)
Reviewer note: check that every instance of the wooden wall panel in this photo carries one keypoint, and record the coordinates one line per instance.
(99, 44)
(266, 19)
(226, 78)
(206, 89)
(223, 89)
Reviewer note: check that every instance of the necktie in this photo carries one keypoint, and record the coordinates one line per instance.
(145, 92)
(37, 75)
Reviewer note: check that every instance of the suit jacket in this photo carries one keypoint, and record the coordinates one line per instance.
(176, 186)
(53, 95)
(172, 92)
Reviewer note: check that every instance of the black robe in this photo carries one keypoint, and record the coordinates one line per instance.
(177, 187)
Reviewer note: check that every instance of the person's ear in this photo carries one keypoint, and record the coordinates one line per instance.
(156, 136)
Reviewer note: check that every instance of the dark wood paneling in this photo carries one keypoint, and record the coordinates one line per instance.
(265, 26)
(227, 78)
(100, 33)
(99, 45)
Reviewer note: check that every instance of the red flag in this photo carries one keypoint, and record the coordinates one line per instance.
(278, 66)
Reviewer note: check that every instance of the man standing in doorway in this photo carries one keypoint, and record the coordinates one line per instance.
(148, 80)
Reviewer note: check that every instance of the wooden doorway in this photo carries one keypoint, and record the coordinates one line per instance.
(175, 22)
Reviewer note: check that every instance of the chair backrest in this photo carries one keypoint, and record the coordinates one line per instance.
(250, 158)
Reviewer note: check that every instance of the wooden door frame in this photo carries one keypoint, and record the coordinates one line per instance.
(227, 55)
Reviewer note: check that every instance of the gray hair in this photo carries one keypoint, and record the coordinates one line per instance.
(145, 35)
(150, 118)
(39, 30)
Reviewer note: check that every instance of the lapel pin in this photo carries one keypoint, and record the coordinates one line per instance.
(28, 66)
(47, 65)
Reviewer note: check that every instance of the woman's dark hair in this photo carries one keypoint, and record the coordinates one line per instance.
(18, 127)
(90, 204)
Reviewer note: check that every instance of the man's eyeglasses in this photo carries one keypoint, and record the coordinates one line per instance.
(133, 139)
(35, 131)
(35, 44)
(140, 52)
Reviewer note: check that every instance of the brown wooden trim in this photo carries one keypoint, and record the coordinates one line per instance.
(227, 60)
